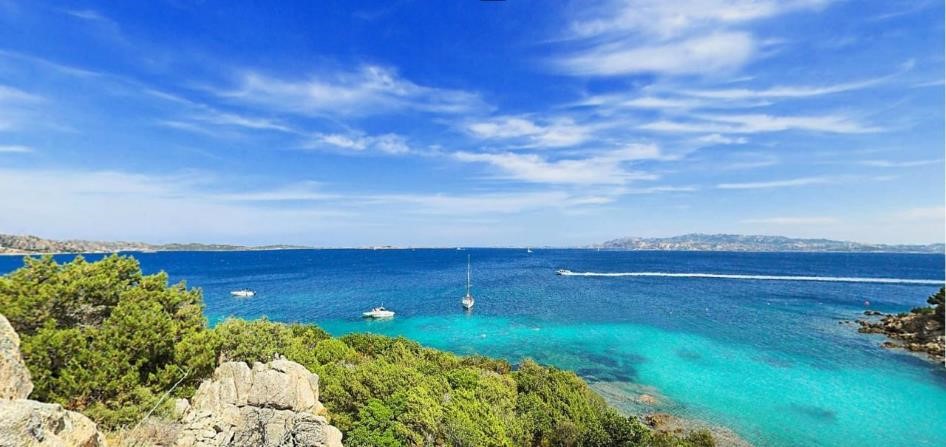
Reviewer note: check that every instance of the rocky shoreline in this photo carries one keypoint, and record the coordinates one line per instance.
(922, 330)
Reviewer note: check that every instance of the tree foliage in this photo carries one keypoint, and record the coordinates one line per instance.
(104, 339)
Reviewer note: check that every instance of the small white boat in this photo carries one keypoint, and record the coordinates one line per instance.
(561, 272)
(243, 293)
(528, 250)
(468, 300)
(378, 312)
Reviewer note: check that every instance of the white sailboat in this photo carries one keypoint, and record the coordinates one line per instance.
(243, 293)
(468, 300)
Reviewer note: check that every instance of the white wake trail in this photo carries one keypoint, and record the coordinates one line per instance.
(762, 277)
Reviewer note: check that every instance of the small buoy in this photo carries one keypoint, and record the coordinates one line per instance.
(866, 303)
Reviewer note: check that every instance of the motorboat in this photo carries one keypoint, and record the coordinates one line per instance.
(378, 312)
(562, 272)
(243, 293)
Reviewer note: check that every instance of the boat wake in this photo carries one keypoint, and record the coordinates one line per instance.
(759, 277)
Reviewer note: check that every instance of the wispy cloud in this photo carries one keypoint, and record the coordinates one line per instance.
(709, 53)
(387, 143)
(15, 149)
(368, 90)
(85, 14)
(681, 37)
(758, 123)
(815, 220)
(900, 164)
(558, 132)
(716, 138)
(787, 91)
(924, 213)
(603, 168)
(804, 181)
(9, 94)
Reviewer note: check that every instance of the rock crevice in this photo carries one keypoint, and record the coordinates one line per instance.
(271, 404)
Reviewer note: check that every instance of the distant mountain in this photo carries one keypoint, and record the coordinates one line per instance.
(26, 244)
(737, 242)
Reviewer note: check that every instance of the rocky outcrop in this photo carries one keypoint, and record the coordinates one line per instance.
(26, 422)
(921, 330)
(272, 404)
(14, 377)
(30, 423)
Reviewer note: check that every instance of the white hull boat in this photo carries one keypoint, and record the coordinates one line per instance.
(378, 313)
(243, 293)
(468, 300)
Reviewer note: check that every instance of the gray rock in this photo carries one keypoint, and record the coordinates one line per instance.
(272, 404)
(31, 423)
(28, 422)
(14, 376)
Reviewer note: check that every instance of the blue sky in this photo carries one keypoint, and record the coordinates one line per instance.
(342, 123)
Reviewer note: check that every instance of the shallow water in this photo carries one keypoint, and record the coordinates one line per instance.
(767, 358)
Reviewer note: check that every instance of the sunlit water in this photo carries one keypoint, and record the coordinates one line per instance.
(766, 357)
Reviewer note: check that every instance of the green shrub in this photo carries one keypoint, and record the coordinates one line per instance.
(104, 339)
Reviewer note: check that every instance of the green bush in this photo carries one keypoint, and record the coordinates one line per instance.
(104, 339)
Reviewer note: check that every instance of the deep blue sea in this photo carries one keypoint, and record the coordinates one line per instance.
(771, 359)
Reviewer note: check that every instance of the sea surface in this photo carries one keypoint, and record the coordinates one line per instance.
(736, 344)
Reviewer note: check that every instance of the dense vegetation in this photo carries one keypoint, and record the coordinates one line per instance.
(104, 339)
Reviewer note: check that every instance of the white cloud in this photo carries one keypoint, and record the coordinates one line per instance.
(559, 132)
(817, 220)
(710, 53)
(604, 168)
(86, 14)
(804, 181)
(758, 123)
(924, 213)
(672, 37)
(365, 91)
(15, 149)
(793, 91)
(10, 94)
(488, 203)
(899, 164)
(232, 119)
(387, 143)
(663, 20)
(716, 138)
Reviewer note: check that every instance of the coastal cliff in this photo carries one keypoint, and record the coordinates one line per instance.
(921, 330)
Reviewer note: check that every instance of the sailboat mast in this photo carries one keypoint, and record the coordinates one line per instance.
(468, 275)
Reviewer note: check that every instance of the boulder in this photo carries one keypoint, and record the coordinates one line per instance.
(31, 423)
(14, 376)
(28, 422)
(271, 404)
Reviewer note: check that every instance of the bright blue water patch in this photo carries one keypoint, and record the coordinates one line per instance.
(770, 359)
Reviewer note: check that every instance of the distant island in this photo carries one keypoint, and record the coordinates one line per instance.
(737, 242)
(11, 244)
(27, 244)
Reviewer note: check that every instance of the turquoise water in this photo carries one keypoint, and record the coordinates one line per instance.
(771, 359)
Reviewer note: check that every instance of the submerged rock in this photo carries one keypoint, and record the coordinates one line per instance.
(272, 404)
(921, 330)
